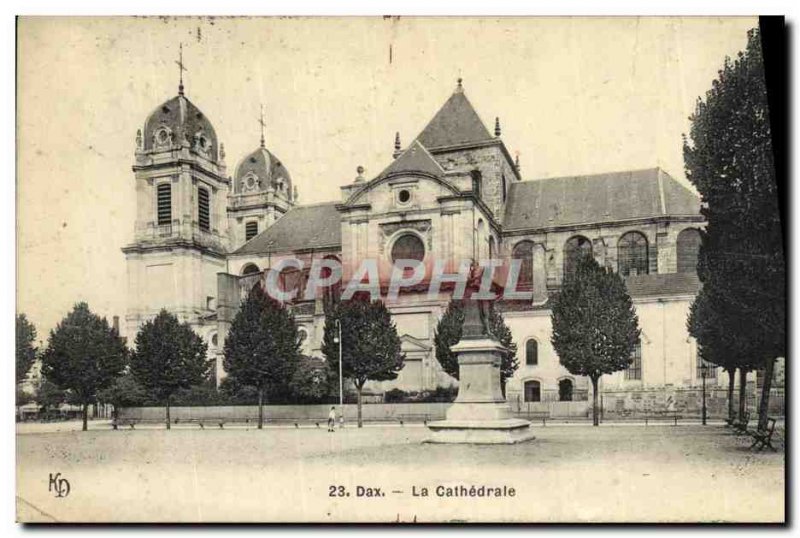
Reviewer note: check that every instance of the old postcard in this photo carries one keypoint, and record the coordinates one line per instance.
(399, 269)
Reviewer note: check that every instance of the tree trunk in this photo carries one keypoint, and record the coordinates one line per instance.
(731, 386)
(85, 416)
(595, 414)
(763, 406)
(742, 392)
(169, 421)
(260, 408)
(358, 392)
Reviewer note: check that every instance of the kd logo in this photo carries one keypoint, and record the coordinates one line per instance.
(58, 485)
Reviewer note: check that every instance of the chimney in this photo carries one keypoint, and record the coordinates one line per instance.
(115, 323)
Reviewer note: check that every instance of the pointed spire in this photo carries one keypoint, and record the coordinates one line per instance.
(497, 127)
(263, 125)
(181, 69)
(460, 88)
(222, 152)
(516, 162)
(397, 146)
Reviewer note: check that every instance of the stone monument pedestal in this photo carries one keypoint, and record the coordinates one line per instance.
(480, 413)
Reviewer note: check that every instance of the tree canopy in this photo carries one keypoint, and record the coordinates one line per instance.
(595, 327)
(84, 355)
(370, 344)
(729, 159)
(26, 350)
(262, 349)
(169, 356)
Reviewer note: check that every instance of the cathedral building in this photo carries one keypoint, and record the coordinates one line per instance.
(203, 237)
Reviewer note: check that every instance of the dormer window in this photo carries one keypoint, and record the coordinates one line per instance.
(162, 137)
(201, 143)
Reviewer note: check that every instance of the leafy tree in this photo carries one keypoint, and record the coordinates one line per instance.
(169, 356)
(237, 394)
(311, 382)
(124, 392)
(84, 355)
(26, 350)
(23, 397)
(263, 347)
(595, 327)
(728, 158)
(370, 345)
(48, 395)
(448, 333)
(718, 344)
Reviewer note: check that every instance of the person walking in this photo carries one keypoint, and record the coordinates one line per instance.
(332, 419)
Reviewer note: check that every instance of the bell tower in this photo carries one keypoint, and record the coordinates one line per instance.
(180, 234)
(261, 192)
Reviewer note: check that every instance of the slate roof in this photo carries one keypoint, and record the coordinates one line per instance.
(184, 119)
(266, 166)
(303, 227)
(456, 123)
(414, 159)
(597, 198)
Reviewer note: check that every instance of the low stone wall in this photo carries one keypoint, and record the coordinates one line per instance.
(371, 412)
(682, 401)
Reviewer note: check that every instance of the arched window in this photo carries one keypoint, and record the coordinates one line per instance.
(250, 269)
(250, 230)
(492, 248)
(164, 201)
(688, 249)
(577, 248)
(408, 247)
(634, 371)
(214, 340)
(523, 251)
(531, 352)
(565, 390)
(632, 254)
(203, 211)
(533, 391)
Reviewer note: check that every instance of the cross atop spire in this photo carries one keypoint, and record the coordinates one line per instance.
(263, 124)
(181, 69)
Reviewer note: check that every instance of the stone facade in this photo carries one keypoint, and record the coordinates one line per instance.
(456, 190)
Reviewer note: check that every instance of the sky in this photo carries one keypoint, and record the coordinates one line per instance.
(574, 96)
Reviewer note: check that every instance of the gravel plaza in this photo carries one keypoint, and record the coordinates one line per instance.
(569, 473)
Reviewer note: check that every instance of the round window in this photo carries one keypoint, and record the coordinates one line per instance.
(162, 136)
(408, 247)
(403, 196)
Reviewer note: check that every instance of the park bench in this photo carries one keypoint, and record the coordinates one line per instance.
(763, 438)
(661, 417)
(424, 418)
(544, 416)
